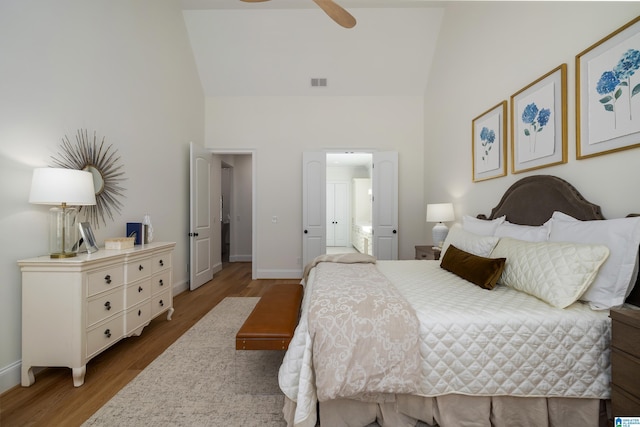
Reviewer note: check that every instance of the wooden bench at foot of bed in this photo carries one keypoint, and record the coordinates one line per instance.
(271, 324)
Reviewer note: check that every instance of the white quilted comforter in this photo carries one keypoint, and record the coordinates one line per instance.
(478, 342)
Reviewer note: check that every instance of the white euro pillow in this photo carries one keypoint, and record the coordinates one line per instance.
(618, 274)
(529, 233)
(482, 227)
(469, 242)
(555, 272)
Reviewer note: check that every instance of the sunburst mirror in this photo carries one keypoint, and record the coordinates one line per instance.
(104, 164)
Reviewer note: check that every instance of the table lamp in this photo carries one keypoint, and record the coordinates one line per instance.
(63, 188)
(439, 213)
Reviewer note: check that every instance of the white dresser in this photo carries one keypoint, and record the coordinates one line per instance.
(75, 308)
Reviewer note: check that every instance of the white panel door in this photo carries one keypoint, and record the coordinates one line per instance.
(337, 214)
(385, 205)
(313, 205)
(200, 217)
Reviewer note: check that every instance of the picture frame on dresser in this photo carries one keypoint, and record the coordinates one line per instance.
(87, 236)
(607, 89)
(539, 122)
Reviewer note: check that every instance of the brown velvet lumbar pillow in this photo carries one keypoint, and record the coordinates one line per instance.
(478, 270)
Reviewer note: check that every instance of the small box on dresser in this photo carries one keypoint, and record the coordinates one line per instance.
(625, 362)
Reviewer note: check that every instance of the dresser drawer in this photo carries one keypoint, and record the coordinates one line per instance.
(161, 262)
(137, 317)
(161, 282)
(625, 372)
(160, 302)
(138, 270)
(104, 305)
(105, 279)
(138, 292)
(105, 334)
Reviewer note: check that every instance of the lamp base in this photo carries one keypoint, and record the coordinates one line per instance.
(439, 234)
(63, 255)
(63, 232)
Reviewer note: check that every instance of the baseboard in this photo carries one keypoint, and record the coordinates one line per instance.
(10, 376)
(279, 274)
(240, 258)
(180, 287)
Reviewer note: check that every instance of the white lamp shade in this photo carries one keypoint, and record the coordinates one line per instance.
(54, 186)
(440, 212)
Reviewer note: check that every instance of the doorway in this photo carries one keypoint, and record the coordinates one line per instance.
(348, 218)
(208, 206)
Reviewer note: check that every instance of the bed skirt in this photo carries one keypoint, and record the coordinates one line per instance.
(459, 410)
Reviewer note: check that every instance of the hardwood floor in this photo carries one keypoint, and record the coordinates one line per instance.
(53, 401)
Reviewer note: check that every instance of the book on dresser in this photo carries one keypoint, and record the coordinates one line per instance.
(75, 308)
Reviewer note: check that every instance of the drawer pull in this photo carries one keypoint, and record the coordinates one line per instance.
(139, 313)
(107, 305)
(140, 267)
(107, 279)
(161, 263)
(107, 333)
(161, 303)
(160, 282)
(139, 288)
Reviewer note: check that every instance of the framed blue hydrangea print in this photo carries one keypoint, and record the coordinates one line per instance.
(539, 123)
(489, 143)
(608, 93)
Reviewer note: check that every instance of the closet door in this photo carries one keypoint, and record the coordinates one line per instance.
(337, 214)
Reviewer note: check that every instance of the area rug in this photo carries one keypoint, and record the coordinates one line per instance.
(200, 380)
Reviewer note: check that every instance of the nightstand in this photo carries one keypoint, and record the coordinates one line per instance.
(427, 252)
(625, 362)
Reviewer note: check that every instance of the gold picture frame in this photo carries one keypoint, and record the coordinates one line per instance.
(489, 143)
(539, 123)
(608, 93)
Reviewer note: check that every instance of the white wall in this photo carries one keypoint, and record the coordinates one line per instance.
(279, 129)
(488, 51)
(123, 69)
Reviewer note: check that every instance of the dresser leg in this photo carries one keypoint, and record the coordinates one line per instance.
(27, 376)
(78, 375)
(170, 313)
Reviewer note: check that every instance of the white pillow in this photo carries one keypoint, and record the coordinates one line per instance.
(483, 227)
(529, 233)
(622, 236)
(469, 242)
(557, 273)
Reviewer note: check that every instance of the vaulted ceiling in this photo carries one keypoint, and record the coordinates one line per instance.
(275, 48)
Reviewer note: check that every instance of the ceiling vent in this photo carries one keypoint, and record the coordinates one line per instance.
(319, 82)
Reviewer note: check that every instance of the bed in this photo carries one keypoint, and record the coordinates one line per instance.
(511, 327)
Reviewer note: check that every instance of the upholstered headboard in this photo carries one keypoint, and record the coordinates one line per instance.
(532, 201)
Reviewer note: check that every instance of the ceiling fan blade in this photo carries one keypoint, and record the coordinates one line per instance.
(335, 12)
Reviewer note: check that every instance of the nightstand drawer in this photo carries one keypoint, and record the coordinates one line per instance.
(624, 336)
(625, 372)
(427, 253)
(623, 404)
